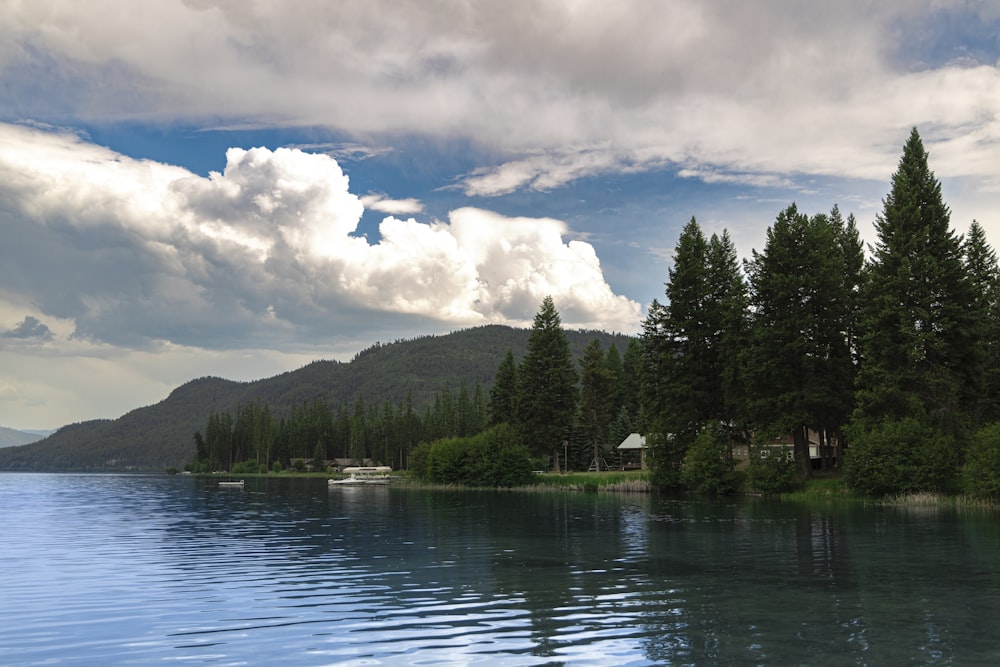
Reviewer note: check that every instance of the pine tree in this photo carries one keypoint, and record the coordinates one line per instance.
(918, 347)
(728, 304)
(919, 370)
(503, 394)
(596, 404)
(691, 349)
(613, 362)
(984, 273)
(548, 393)
(799, 364)
(631, 380)
(689, 368)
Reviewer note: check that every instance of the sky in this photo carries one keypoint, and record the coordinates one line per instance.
(239, 187)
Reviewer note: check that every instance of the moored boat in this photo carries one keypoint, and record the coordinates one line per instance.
(363, 476)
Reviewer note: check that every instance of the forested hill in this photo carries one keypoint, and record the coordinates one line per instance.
(161, 435)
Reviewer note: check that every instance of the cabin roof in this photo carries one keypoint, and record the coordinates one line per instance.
(633, 441)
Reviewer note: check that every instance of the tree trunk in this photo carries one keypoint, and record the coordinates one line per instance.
(801, 451)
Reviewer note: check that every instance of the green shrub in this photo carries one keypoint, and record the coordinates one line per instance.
(773, 474)
(276, 466)
(498, 458)
(666, 459)
(900, 456)
(417, 461)
(495, 457)
(708, 465)
(447, 461)
(245, 468)
(981, 473)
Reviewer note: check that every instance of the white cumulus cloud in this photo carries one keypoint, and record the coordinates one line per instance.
(137, 253)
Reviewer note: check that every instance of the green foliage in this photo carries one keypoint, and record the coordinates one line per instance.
(499, 459)
(666, 460)
(548, 392)
(319, 456)
(448, 461)
(984, 273)
(596, 400)
(901, 456)
(799, 367)
(690, 361)
(681, 371)
(919, 315)
(708, 464)
(503, 395)
(493, 458)
(247, 468)
(981, 473)
(771, 475)
(419, 462)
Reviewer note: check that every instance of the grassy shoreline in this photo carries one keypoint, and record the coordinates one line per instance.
(824, 488)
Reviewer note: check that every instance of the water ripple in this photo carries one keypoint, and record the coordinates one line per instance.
(132, 570)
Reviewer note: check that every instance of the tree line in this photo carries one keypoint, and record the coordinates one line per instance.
(310, 434)
(889, 361)
(523, 403)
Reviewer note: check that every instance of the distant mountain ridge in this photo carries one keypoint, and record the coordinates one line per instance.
(155, 437)
(12, 437)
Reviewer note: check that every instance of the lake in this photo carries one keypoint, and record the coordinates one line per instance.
(138, 570)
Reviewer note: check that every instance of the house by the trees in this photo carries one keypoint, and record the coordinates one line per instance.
(633, 452)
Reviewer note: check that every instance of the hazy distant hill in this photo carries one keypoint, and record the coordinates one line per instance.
(10, 437)
(160, 435)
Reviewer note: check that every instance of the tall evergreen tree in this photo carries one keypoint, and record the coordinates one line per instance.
(691, 348)
(919, 370)
(503, 394)
(596, 405)
(982, 269)
(689, 377)
(799, 363)
(358, 446)
(631, 380)
(613, 362)
(853, 252)
(919, 347)
(548, 392)
(729, 333)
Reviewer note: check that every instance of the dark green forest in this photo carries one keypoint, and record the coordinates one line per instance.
(882, 364)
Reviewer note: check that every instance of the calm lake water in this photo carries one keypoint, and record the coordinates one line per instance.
(140, 570)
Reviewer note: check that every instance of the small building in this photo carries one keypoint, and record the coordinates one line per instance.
(784, 445)
(633, 452)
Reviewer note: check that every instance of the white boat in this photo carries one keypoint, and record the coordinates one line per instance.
(238, 484)
(363, 476)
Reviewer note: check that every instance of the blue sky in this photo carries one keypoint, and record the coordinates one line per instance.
(410, 168)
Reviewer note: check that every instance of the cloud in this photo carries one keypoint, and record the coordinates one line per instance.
(381, 203)
(343, 151)
(29, 327)
(554, 91)
(138, 253)
(718, 176)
